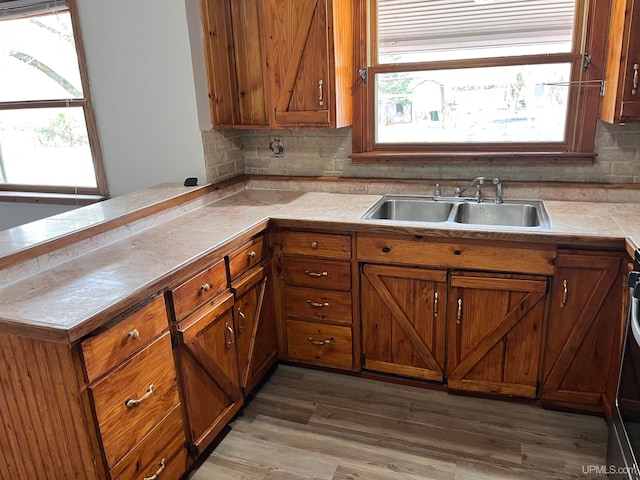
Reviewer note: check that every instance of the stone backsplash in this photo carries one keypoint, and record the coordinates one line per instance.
(326, 153)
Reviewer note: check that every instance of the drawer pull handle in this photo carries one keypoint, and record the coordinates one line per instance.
(459, 314)
(634, 90)
(435, 304)
(318, 305)
(205, 288)
(252, 254)
(242, 325)
(314, 274)
(133, 402)
(320, 343)
(565, 294)
(314, 244)
(134, 334)
(228, 342)
(158, 472)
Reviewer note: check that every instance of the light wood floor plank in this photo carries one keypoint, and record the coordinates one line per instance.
(307, 424)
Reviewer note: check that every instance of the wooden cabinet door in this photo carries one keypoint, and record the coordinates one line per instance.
(298, 57)
(255, 326)
(495, 333)
(584, 319)
(209, 365)
(403, 312)
(621, 102)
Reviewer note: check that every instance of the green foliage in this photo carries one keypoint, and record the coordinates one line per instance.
(61, 132)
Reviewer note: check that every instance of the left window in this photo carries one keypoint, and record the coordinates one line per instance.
(48, 138)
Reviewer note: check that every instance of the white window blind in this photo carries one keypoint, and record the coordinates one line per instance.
(425, 30)
(13, 9)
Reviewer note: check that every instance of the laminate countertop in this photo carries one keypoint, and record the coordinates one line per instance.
(94, 273)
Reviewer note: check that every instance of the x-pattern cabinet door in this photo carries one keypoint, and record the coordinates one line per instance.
(403, 320)
(209, 364)
(495, 332)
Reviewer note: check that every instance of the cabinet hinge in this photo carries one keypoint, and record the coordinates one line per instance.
(363, 74)
(586, 61)
(192, 449)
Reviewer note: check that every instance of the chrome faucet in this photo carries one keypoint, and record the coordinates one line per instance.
(498, 184)
(476, 182)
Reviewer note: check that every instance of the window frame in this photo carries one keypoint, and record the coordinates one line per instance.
(591, 22)
(64, 194)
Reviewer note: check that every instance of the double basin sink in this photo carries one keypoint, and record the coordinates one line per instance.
(527, 214)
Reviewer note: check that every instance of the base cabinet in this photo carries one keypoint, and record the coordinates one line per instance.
(403, 313)
(584, 318)
(495, 333)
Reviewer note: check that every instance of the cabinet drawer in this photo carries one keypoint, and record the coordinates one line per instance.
(325, 245)
(198, 290)
(309, 272)
(535, 259)
(107, 349)
(167, 468)
(246, 257)
(132, 399)
(319, 305)
(320, 344)
(163, 442)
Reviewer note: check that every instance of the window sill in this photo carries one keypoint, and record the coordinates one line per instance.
(50, 198)
(484, 158)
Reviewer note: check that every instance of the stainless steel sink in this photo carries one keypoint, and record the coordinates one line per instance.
(413, 209)
(511, 213)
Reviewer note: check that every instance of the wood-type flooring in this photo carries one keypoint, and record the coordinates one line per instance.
(309, 424)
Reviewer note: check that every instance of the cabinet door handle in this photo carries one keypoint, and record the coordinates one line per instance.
(205, 287)
(634, 90)
(242, 325)
(133, 334)
(228, 342)
(435, 304)
(252, 254)
(320, 343)
(314, 245)
(320, 93)
(317, 304)
(158, 472)
(314, 274)
(132, 402)
(565, 294)
(459, 314)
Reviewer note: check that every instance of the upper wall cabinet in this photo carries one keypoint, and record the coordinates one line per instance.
(236, 67)
(621, 101)
(310, 56)
(279, 63)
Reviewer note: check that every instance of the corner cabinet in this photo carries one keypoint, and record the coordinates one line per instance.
(309, 52)
(584, 321)
(279, 63)
(621, 102)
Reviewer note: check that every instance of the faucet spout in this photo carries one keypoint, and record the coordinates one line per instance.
(476, 182)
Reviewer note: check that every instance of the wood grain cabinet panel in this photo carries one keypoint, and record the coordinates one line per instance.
(134, 398)
(246, 257)
(321, 305)
(309, 48)
(320, 344)
(319, 245)
(255, 326)
(403, 320)
(317, 273)
(209, 371)
(621, 102)
(495, 333)
(198, 290)
(585, 317)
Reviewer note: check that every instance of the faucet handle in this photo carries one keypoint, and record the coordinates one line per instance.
(438, 191)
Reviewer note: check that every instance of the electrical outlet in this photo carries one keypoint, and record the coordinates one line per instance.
(276, 147)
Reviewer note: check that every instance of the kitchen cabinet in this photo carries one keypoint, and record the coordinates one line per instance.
(206, 354)
(495, 325)
(309, 51)
(314, 294)
(254, 312)
(621, 102)
(236, 64)
(584, 328)
(403, 313)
